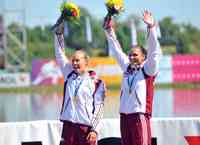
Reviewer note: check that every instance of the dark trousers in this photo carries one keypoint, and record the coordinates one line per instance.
(74, 134)
(135, 129)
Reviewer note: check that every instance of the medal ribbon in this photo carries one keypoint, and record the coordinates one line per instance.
(76, 91)
(130, 83)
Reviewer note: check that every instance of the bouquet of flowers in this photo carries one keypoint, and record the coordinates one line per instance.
(114, 7)
(70, 11)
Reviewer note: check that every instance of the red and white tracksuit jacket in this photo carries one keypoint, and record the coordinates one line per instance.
(88, 90)
(140, 98)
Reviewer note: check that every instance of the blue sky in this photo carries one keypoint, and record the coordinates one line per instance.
(43, 11)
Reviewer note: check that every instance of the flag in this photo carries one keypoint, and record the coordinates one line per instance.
(88, 30)
(158, 31)
(133, 33)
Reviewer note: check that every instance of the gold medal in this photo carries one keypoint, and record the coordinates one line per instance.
(75, 100)
(75, 97)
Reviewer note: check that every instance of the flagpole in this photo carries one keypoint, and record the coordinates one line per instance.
(88, 29)
(133, 33)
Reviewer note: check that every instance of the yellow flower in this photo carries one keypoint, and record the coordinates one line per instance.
(114, 6)
(112, 3)
(71, 11)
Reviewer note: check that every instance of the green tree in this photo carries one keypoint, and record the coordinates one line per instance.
(191, 35)
(169, 31)
(184, 38)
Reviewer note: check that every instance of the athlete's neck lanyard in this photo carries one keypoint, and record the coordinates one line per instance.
(130, 81)
(77, 88)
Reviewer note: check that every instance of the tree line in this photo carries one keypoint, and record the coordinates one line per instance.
(175, 38)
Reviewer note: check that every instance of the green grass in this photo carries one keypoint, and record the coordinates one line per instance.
(59, 88)
(169, 49)
(37, 89)
(179, 86)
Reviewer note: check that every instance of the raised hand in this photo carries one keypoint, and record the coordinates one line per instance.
(92, 137)
(148, 19)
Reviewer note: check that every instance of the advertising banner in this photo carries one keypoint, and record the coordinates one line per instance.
(186, 68)
(46, 72)
(165, 70)
(8, 80)
(172, 69)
